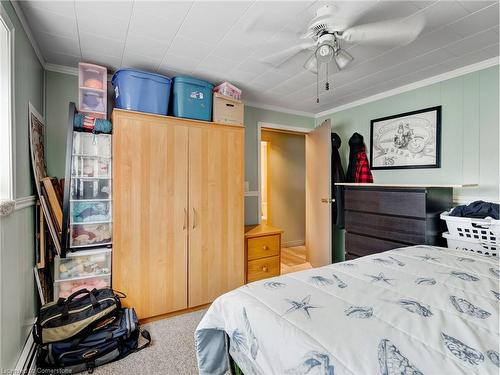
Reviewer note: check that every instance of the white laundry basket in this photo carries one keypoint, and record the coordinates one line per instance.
(483, 230)
(471, 244)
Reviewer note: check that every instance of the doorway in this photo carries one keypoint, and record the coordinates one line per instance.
(283, 195)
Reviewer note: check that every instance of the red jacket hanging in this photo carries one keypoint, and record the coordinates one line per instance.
(363, 173)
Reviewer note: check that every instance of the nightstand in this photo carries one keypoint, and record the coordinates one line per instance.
(262, 252)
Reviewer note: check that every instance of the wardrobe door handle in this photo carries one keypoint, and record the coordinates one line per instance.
(184, 223)
(194, 218)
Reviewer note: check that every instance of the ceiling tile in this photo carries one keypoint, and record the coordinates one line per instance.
(475, 5)
(253, 66)
(189, 48)
(441, 13)
(61, 8)
(466, 59)
(97, 44)
(232, 49)
(111, 62)
(173, 62)
(270, 78)
(239, 77)
(478, 21)
(215, 64)
(41, 20)
(473, 42)
(153, 27)
(149, 48)
(173, 11)
(49, 42)
(210, 21)
(112, 9)
(90, 20)
(131, 60)
(491, 51)
(428, 42)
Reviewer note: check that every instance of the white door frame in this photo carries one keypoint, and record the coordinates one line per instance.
(268, 125)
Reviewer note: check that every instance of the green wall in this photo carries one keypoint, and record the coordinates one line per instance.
(287, 182)
(18, 298)
(252, 117)
(60, 89)
(469, 141)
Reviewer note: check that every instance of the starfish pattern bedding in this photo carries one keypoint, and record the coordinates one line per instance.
(414, 310)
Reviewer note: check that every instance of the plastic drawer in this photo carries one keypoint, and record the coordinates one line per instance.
(91, 166)
(92, 76)
(64, 288)
(88, 144)
(90, 211)
(83, 264)
(90, 188)
(90, 234)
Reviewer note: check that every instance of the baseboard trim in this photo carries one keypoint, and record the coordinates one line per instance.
(26, 363)
(293, 243)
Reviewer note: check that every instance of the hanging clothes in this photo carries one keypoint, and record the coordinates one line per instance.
(359, 168)
(363, 172)
(337, 176)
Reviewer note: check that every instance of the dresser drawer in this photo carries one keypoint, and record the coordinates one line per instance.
(362, 245)
(263, 268)
(389, 202)
(398, 229)
(265, 246)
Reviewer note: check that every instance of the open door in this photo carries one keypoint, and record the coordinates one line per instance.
(318, 195)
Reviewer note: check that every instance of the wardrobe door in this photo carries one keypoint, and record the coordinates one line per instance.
(216, 231)
(150, 172)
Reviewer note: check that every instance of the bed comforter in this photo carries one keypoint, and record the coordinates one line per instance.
(414, 310)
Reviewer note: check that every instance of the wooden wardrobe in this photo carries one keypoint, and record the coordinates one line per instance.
(178, 236)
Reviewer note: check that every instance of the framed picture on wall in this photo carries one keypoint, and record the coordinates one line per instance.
(406, 140)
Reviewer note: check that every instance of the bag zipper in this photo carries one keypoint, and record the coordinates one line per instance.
(74, 311)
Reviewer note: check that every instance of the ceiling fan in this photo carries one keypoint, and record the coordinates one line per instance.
(326, 31)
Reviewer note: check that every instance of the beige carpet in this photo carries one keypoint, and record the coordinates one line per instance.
(171, 350)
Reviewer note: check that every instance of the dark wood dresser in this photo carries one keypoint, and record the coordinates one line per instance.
(384, 217)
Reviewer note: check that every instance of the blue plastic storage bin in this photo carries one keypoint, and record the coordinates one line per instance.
(136, 90)
(192, 98)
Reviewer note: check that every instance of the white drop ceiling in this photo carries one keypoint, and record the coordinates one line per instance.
(226, 40)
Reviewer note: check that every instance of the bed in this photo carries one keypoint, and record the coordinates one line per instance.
(413, 310)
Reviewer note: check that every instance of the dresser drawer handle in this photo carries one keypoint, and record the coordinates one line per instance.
(265, 247)
(264, 269)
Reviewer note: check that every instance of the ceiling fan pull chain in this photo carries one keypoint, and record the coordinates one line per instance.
(327, 85)
(317, 81)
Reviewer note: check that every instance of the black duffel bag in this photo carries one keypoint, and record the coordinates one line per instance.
(117, 337)
(76, 315)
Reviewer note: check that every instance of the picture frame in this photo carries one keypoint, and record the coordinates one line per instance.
(410, 140)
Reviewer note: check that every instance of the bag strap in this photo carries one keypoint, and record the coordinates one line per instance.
(145, 334)
(77, 293)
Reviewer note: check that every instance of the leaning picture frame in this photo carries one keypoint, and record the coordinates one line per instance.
(406, 140)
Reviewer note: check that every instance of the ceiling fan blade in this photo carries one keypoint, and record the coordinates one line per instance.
(312, 64)
(279, 58)
(392, 32)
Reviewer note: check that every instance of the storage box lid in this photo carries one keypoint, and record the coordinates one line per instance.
(139, 73)
(193, 81)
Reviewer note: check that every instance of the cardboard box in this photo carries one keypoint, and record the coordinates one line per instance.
(227, 110)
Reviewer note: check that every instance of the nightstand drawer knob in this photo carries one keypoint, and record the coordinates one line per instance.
(264, 269)
(265, 247)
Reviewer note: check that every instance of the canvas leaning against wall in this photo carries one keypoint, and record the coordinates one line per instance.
(406, 140)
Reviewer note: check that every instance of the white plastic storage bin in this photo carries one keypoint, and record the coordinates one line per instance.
(472, 245)
(92, 93)
(64, 288)
(91, 188)
(91, 166)
(90, 234)
(227, 89)
(484, 230)
(88, 144)
(93, 211)
(84, 263)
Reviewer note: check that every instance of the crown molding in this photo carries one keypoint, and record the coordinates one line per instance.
(414, 85)
(27, 30)
(61, 69)
(280, 109)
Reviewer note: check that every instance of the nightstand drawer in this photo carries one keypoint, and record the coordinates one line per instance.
(263, 268)
(265, 246)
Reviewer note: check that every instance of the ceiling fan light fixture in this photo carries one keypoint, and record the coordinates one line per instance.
(342, 58)
(324, 53)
